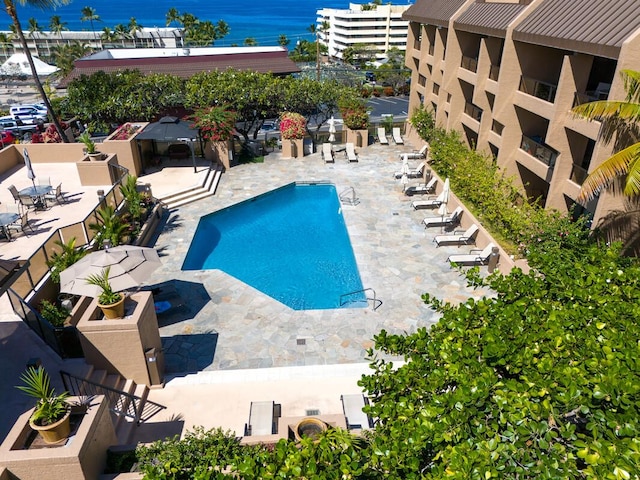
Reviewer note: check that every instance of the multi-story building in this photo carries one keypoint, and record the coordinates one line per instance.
(379, 27)
(43, 44)
(506, 75)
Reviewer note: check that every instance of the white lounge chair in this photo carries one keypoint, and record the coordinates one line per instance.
(422, 188)
(350, 152)
(263, 418)
(429, 202)
(382, 136)
(412, 172)
(327, 153)
(397, 137)
(417, 154)
(444, 221)
(474, 257)
(465, 238)
(352, 407)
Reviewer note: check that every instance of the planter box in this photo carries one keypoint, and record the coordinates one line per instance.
(97, 173)
(222, 153)
(120, 345)
(82, 456)
(149, 227)
(360, 138)
(293, 148)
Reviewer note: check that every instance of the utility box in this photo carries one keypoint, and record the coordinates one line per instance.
(155, 365)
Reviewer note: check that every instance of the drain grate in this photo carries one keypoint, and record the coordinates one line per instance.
(395, 214)
(301, 341)
(311, 413)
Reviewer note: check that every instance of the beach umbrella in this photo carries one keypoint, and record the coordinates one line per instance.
(332, 129)
(129, 266)
(445, 192)
(404, 180)
(27, 162)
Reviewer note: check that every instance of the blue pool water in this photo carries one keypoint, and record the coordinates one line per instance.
(291, 244)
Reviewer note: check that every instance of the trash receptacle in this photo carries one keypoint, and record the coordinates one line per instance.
(155, 365)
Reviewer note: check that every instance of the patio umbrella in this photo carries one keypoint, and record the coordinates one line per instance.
(27, 162)
(445, 191)
(129, 266)
(404, 180)
(332, 129)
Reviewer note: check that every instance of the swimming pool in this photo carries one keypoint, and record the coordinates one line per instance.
(291, 244)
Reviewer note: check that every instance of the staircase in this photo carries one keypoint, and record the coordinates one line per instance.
(127, 400)
(192, 194)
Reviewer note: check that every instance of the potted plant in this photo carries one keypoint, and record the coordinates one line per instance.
(90, 146)
(53, 314)
(111, 303)
(356, 120)
(217, 125)
(51, 415)
(293, 128)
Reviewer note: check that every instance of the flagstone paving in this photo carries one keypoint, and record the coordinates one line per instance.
(226, 324)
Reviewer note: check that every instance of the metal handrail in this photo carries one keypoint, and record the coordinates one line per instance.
(376, 302)
(351, 200)
(120, 402)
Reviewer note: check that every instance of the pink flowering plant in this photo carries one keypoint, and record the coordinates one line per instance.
(292, 126)
(125, 131)
(216, 124)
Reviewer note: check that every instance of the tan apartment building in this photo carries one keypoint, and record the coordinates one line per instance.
(505, 74)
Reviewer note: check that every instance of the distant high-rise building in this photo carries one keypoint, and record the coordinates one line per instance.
(379, 27)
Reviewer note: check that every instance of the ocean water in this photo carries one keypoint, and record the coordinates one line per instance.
(263, 21)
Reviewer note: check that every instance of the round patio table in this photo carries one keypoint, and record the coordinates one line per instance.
(7, 219)
(37, 192)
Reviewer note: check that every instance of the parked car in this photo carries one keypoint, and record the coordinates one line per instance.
(28, 113)
(7, 138)
(17, 127)
(269, 127)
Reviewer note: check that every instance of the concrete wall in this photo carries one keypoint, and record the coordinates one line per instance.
(81, 458)
(119, 345)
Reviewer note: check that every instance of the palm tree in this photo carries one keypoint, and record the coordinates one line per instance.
(57, 26)
(283, 41)
(66, 55)
(620, 119)
(250, 42)
(121, 31)
(173, 16)
(89, 14)
(5, 40)
(134, 28)
(10, 8)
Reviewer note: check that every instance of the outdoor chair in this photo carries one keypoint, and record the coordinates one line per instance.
(28, 202)
(417, 154)
(56, 195)
(411, 172)
(352, 407)
(44, 180)
(458, 238)
(21, 224)
(14, 192)
(263, 418)
(445, 220)
(430, 202)
(382, 136)
(422, 188)
(327, 153)
(474, 257)
(350, 152)
(397, 137)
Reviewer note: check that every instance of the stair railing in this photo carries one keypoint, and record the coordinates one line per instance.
(376, 302)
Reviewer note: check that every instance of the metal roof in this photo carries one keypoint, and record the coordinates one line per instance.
(275, 62)
(488, 18)
(594, 27)
(433, 12)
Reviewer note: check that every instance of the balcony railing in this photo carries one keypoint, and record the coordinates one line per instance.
(494, 72)
(473, 111)
(469, 63)
(545, 91)
(578, 174)
(537, 149)
(580, 98)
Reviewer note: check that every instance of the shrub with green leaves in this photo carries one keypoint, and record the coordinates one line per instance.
(423, 122)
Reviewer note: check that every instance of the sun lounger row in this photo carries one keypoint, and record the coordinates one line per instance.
(411, 172)
(474, 257)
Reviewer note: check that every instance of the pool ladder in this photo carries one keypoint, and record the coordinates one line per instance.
(375, 301)
(349, 197)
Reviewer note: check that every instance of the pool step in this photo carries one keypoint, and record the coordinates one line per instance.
(196, 193)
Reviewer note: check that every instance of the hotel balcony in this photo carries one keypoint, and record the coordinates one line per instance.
(537, 88)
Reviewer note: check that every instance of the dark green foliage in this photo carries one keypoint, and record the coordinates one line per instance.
(424, 123)
(67, 256)
(541, 381)
(53, 314)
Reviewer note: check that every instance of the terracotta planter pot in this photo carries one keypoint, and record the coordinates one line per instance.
(309, 427)
(115, 310)
(56, 432)
(96, 157)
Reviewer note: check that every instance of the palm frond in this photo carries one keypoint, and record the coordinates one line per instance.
(44, 4)
(616, 165)
(631, 81)
(604, 109)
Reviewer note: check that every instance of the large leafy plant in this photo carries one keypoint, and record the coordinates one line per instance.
(110, 227)
(67, 256)
(216, 124)
(50, 407)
